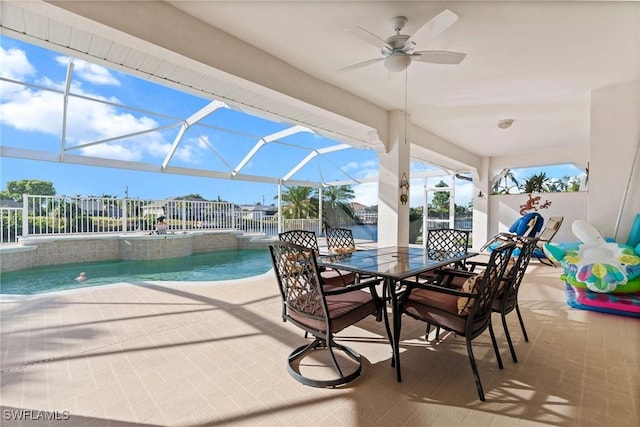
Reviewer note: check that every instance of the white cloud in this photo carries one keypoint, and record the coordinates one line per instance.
(15, 64)
(362, 170)
(32, 110)
(92, 73)
(367, 193)
(191, 150)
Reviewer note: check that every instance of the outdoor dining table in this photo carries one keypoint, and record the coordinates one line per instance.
(392, 264)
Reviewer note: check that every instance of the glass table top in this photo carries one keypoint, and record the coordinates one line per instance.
(396, 262)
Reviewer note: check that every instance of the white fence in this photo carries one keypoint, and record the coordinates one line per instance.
(10, 226)
(53, 215)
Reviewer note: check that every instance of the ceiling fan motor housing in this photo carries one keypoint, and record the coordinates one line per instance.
(398, 23)
(398, 41)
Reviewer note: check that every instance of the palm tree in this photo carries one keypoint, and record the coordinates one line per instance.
(574, 184)
(536, 183)
(297, 203)
(336, 206)
(501, 182)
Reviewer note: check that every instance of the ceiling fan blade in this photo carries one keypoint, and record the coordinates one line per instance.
(360, 64)
(368, 37)
(434, 26)
(438, 56)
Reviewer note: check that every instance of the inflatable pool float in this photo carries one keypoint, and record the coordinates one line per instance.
(595, 263)
(622, 304)
(600, 274)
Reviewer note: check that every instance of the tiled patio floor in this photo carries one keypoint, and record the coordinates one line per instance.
(214, 354)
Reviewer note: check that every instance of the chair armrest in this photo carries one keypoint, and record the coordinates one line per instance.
(474, 264)
(457, 273)
(444, 277)
(447, 276)
(370, 284)
(437, 288)
(354, 287)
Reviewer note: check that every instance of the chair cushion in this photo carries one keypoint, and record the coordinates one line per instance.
(471, 286)
(342, 250)
(331, 277)
(436, 308)
(440, 309)
(344, 310)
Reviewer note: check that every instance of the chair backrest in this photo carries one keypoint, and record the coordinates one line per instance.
(340, 240)
(551, 228)
(296, 271)
(304, 238)
(480, 312)
(513, 276)
(448, 240)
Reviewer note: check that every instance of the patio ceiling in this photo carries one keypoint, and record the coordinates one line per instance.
(534, 62)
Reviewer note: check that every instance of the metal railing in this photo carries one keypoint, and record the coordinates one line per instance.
(11, 224)
(62, 215)
(459, 223)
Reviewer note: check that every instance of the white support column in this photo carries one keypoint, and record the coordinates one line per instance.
(452, 202)
(393, 216)
(280, 230)
(184, 215)
(319, 210)
(25, 215)
(125, 215)
(425, 213)
(481, 192)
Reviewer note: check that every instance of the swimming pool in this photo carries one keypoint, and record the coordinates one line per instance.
(206, 266)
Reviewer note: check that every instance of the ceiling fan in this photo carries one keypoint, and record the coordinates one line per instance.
(398, 50)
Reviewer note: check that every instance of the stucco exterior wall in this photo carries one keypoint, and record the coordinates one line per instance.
(615, 136)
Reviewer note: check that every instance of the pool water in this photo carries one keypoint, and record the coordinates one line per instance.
(207, 266)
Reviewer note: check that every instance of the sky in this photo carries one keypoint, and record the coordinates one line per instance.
(108, 104)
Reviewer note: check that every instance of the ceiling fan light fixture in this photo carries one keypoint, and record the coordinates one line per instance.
(505, 123)
(397, 62)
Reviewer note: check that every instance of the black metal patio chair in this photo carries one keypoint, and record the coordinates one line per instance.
(308, 239)
(340, 240)
(446, 240)
(320, 311)
(466, 311)
(506, 299)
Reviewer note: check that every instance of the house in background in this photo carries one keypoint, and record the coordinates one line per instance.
(10, 203)
(365, 214)
(257, 211)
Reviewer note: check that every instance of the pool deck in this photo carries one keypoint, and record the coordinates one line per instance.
(213, 354)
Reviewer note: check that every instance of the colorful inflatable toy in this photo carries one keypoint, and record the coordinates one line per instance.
(595, 263)
(601, 275)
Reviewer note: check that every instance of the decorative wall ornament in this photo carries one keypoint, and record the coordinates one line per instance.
(533, 204)
(404, 189)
